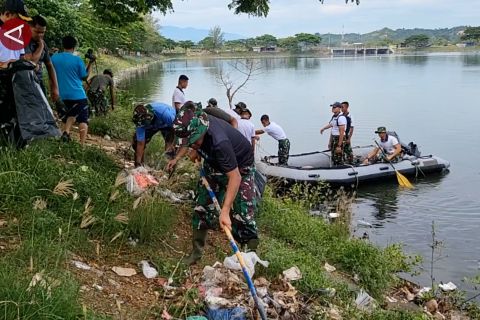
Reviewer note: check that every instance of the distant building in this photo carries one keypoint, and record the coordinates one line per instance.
(466, 44)
(265, 49)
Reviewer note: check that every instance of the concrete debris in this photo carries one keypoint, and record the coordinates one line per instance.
(124, 272)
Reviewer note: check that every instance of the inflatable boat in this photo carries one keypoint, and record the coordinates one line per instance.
(316, 166)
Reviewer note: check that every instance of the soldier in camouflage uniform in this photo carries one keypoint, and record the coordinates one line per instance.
(338, 123)
(347, 144)
(229, 168)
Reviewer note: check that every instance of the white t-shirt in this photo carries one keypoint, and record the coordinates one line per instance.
(389, 145)
(341, 121)
(7, 54)
(275, 131)
(232, 113)
(247, 129)
(179, 97)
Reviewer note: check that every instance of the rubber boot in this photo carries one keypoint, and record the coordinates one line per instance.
(198, 243)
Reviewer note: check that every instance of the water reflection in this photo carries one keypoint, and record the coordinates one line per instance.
(471, 60)
(383, 197)
(415, 60)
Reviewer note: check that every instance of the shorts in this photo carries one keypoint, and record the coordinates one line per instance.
(167, 134)
(77, 109)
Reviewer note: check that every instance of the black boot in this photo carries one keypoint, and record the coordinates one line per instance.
(199, 237)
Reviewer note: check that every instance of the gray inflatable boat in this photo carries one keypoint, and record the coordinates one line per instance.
(316, 166)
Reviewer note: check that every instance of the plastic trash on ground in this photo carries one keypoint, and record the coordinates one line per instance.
(292, 274)
(448, 286)
(250, 258)
(226, 314)
(364, 301)
(148, 271)
(81, 265)
(138, 180)
(329, 268)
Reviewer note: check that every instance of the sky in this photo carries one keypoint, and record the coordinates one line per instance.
(288, 17)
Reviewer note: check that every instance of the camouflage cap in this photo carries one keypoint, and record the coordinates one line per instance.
(381, 129)
(189, 125)
(143, 115)
(241, 105)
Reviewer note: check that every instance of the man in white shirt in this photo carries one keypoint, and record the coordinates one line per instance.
(390, 150)
(338, 122)
(178, 98)
(347, 145)
(246, 127)
(277, 133)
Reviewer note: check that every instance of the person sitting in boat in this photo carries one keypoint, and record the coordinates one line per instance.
(390, 145)
(338, 122)
(277, 133)
(347, 145)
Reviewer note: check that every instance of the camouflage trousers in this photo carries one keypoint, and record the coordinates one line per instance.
(98, 101)
(283, 151)
(205, 216)
(347, 152)
(337, 158)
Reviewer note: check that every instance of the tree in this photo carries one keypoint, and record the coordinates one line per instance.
(266, 40)
(417, 41)
(246, 71)
(289, 43)
(308, 38)
(471, 33)
(216, 36)
(187, 44)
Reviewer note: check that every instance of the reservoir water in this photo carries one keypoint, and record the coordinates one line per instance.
(432, 100)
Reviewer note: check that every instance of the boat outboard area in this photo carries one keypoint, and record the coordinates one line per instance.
(316, 166)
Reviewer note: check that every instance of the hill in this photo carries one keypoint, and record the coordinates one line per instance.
(193, 34)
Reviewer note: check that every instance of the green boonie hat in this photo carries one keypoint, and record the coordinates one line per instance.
(143, 115)
(381, 129)
(189, 125)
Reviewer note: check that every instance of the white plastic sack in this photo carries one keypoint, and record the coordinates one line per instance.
(138, 180)
(250, 259)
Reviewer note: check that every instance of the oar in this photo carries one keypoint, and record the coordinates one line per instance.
(402, 180)
(251, 286)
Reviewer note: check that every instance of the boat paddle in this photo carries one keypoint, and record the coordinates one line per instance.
(402, 180)
(251, 286)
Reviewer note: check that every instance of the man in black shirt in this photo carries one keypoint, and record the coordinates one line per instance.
(229, 169)
(37, 51)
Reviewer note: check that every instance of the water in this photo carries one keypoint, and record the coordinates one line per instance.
(431, 100)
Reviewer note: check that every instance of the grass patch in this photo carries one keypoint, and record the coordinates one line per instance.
(316, 240)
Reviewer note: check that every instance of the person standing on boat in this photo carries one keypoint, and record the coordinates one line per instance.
(392, 148)
(338, 122)
(347, 145)
(277, 133)
(229, 168)
(178, 98)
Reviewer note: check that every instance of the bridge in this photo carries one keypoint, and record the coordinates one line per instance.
(361, 51)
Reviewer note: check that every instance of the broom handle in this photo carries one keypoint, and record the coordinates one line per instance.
(237, 253)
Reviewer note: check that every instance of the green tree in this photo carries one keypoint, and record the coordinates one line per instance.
(187, 44)
(308, 38)
(266, 40)
(216, 36)
(289, 43)
(471, 33)
(417, 41)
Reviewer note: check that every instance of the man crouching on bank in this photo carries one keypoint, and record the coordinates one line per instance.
(229, 168)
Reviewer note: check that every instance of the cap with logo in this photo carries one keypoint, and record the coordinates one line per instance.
(336, 105)
(381, 129)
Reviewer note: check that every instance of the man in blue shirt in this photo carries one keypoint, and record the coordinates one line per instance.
(71, 71)
(150, 119)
